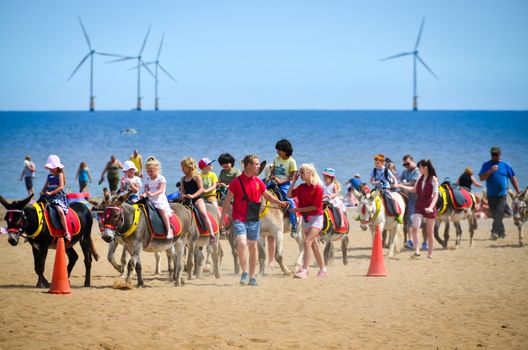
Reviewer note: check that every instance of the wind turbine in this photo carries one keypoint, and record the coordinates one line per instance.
(139, 64)
(416, 57)
(156, 81)
(90, 54)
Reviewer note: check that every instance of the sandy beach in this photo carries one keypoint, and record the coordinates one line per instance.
(470, 298)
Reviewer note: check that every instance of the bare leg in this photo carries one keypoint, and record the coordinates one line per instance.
(242, 249)
(166, 221)
(253, 256)
(62, 217)
(311, 247)
(200, 204)
(429, 227)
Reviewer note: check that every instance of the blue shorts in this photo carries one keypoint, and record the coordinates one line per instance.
(250, 229)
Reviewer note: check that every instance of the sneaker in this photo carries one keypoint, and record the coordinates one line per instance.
(244, 279)
(410, 244)
(494, 236)
(415, 255)
(322, 273)
(302, 273)
(67, 236)
(253, 282)
(212, 240)
(170, 235)
(294, 234)
(424, 246)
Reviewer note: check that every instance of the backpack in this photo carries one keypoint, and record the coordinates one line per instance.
(386, 173)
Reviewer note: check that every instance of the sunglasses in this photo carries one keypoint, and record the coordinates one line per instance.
(495, 154)
(406, 164)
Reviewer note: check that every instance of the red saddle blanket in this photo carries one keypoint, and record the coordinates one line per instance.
(396, 207)
(461, 200)
(344, 222)
(203, 230)
(72, 221)
(175, 224)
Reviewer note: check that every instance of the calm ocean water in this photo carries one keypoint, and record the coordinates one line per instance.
(344, 140)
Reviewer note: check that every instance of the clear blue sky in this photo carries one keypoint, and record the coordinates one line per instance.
(273, 54)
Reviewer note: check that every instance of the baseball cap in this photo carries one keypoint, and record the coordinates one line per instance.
(205, 162)
(495, 149)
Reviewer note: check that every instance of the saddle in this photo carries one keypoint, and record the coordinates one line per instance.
(331, 217)
(157, 227)
(274, 189)
(392, 207)
(201, 224)
(54, 223)
(461, 197)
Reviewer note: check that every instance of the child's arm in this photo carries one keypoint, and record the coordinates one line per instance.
(58, 189)
(335, 193)
(161, 190)
(43, 191)
(213, 186)
(122, 186)
(182, 189)
(135, 186)
(290, 190)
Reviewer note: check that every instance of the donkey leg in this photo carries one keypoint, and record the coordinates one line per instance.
(112, 246)
(392, 240)
(72, 259)
(233, 244)
(279, 242)
(131, 266)
(179, 248)
(471, 222)
(157, 271)
(39, 259)
(140, 283)
(261, 246)
(521, 237)
(86, 246)
(216, 258)
(170, 253)
(190, 260)
(199, 257)
(436, 232)
(458, 230)
(327, 248)
(344, 249)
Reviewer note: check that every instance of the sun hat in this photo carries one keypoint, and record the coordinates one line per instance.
(127, 165)
(205, 162)
(329, 172)
(495, 149)
(53, 162)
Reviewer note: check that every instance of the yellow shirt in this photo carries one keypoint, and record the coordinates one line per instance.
(137, 162)
(208, 180)
(283, 167)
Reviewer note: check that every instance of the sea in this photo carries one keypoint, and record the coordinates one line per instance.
(344, 140)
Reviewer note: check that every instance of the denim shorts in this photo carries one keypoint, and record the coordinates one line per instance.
(250, 229)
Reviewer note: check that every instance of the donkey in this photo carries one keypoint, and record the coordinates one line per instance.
(448, 213)
(120, 219)
(27, 221)
(197, 241)
(330, 234)
(372, 213)
(520, 214)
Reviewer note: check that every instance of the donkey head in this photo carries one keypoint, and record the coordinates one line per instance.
(112, 216)
(519, 206)
(366, 208)
(16, 218)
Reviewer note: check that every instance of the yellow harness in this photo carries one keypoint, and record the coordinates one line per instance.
(443, 193)
(40, 217)
(135, 222)
(377, 201)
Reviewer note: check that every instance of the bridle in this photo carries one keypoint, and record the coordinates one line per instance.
(107, 223)
(20, 226)
(363, 212)
(519, 211)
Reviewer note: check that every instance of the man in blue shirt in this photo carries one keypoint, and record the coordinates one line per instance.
(409, 177)
(496, 174)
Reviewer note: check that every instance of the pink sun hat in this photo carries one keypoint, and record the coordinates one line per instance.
(53, 162)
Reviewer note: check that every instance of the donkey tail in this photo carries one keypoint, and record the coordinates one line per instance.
(92, 250)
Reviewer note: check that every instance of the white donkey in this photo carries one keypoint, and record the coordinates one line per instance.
(372, 213)
(520, 214)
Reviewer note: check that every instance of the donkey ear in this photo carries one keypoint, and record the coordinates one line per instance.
(512, 194)
(524, 194)
(374, 193)
(24, 202)
(124, 197)
(5, 203)
(262, 167)
(106, 194)
(357, 194)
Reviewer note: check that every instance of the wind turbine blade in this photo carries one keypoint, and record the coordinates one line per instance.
(148, 69)
(419, 34)
(149, 63)
(79, 65)
(145, 41)
(426, 66)
(122, 59)
(110, 54)
(85, 34)
(165, 71)
(132, 68)
(161, 45)
(398, 55)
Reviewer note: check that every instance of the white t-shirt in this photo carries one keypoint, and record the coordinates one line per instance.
(135, 180)
(160, 201)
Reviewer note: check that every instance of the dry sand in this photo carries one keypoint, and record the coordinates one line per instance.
(462, 299)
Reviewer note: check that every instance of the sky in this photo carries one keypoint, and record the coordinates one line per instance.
(273, 54)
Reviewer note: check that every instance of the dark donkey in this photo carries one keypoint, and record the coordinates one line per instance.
(24, 221)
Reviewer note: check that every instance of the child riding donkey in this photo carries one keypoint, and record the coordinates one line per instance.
(383, 179)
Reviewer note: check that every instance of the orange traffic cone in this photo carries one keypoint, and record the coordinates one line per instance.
(59, 280)
(377, 266)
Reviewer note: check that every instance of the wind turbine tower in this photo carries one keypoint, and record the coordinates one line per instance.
(157, 67)
(416, 57)
(90, 55)
(140, 64)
